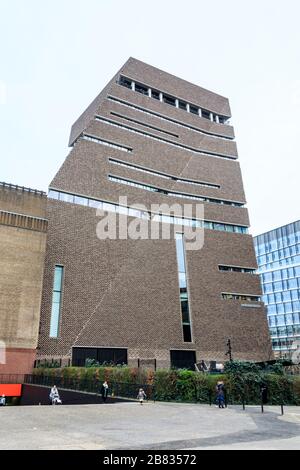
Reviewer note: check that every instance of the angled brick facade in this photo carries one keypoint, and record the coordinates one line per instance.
(125, 293)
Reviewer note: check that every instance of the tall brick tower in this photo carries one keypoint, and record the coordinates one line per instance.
(155, 139)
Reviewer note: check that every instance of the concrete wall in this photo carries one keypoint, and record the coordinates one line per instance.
(22, 254)
(39, 394)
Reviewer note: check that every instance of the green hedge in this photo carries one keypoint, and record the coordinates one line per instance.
(99, 374)
(242, 382)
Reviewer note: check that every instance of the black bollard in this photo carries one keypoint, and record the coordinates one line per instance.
(282, 412)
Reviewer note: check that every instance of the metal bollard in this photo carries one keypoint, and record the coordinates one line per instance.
(282, 412)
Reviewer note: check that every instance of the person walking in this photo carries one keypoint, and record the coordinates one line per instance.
(141, 396)
(104, 391)
(2, 400)
(54, 396)
(264, 393)
(51, 394)
(220, 390)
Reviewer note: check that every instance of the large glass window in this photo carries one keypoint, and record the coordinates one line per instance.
(288, 307)
(272, 320)
(53, 194)
(247, 298)
(289, 319)
(205, 114)
(182, 281)
(184, 299)
(267, 277)
(85, 201)
(295, 294)
(125, 82)
(286, 296)
(141, 89)
(169, 100)
(296, 306)
(271, 299)
(267, 288)
(56, 301)
(185, 311)
(277, 275)
(280, 320)
(68, 198)
(296, 330)
(183, 359)
(155, 94)
(136, 184)
(194, 109)
(236, 269)
(292, 283)
(182, 105)
(102, 355)
(272, 309)
(218, 226)
(180, 253)
(297, 317)
(280, 308)
(284, 273)
(277, 286)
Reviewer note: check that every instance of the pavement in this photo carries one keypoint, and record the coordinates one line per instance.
(156, 426)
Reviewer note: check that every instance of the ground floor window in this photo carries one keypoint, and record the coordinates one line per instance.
(183, 359)
(101, 355)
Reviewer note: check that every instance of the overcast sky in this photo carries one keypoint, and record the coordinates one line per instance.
(57, 55)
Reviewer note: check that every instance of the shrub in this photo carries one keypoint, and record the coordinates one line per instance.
(91, 363)
(165, 384)
(48, 365)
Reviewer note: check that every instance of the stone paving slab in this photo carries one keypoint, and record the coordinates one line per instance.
(155, 426)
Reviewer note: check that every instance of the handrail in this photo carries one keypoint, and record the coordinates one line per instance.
(21, 188)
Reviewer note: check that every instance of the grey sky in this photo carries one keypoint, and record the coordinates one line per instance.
(56, 57)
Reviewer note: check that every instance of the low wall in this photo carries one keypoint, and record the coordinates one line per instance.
(39, 394)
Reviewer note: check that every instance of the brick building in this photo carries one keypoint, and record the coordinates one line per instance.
(155, 139)
(23, 231)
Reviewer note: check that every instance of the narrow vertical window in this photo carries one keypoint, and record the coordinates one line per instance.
(184, 298)
(56, 301)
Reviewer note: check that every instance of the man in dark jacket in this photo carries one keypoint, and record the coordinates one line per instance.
(264, 393)
(220, 390)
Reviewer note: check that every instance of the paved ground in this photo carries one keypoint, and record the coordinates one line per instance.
(158, 426)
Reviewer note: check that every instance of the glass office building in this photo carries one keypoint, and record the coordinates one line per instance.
(278, 258)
